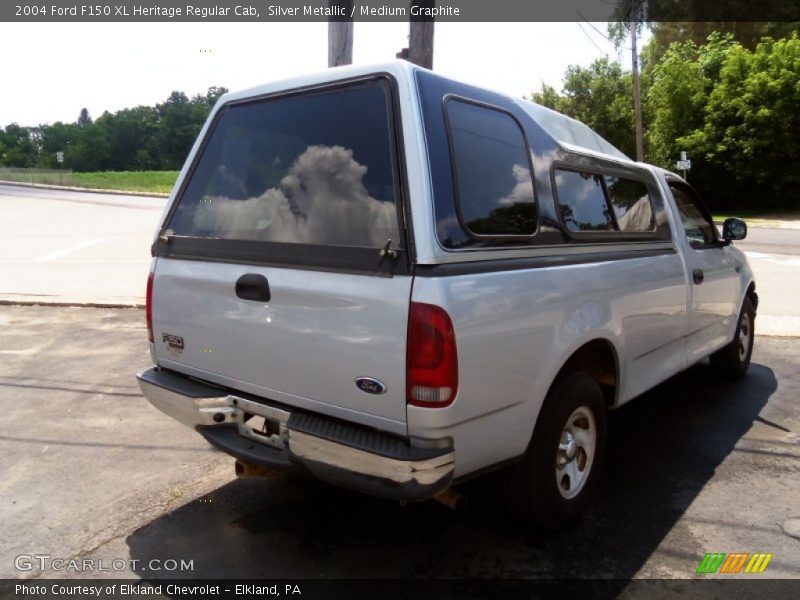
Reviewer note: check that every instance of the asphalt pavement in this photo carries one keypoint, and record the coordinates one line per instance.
(772, 240)
(91, 471)
(61, 246)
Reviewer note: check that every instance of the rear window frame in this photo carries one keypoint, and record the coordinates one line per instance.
(498, 237)
(348, 259)
(614, 235)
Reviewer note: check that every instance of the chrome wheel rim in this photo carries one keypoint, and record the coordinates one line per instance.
(745, 332)
(576, 450)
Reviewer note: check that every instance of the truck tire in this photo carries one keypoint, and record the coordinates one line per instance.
(553, 484)
(733, 360)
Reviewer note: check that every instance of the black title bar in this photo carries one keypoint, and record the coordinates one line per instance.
(396, 10)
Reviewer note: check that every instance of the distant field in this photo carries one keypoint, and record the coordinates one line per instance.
(133, 181)
(761, 218)
(770, 213)
(128, 181)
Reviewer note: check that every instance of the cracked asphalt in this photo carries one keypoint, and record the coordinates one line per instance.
(90, 470)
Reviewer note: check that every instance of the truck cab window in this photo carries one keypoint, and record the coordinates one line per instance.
(695, 218)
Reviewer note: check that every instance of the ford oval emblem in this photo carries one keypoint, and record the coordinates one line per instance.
(370, 385)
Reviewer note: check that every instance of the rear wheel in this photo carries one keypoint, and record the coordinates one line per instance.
(552, 486)
(733, 360)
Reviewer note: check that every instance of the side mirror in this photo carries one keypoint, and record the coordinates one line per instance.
(734, 229)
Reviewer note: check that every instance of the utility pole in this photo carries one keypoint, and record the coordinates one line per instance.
(637, 97)
(340, 35)
(420, 39)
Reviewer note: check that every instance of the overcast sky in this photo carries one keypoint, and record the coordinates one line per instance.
(51, 70)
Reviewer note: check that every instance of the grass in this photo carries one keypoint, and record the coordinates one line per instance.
(763, 216)
(759, 214)
(132, 181)
(125, 181)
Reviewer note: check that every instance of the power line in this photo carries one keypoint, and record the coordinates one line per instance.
(585, 20)
(588, 37)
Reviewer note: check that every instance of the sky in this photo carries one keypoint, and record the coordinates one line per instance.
(52, 70)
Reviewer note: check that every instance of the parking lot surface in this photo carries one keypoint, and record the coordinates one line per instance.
(92, 471)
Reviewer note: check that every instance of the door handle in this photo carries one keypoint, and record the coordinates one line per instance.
(253, 287)
(698, 276)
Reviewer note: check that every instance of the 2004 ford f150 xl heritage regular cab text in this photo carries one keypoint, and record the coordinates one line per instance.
(393, 281)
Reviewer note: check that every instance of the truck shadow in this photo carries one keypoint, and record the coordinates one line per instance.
(663, 448)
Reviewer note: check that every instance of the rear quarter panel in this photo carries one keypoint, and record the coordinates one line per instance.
(516, 329)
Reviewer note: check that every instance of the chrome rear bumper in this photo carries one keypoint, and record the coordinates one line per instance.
(342, 453)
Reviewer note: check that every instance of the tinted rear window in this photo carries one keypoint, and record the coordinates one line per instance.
(306, 169)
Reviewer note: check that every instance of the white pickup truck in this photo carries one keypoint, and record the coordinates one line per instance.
(392, 281)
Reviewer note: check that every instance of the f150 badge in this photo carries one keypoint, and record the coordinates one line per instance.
(174, 343)
(370, 385)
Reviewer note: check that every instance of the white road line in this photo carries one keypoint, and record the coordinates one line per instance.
(786, 260)
(62, 253)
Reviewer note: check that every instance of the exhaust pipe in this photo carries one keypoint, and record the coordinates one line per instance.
(452, 500)
(245, 470)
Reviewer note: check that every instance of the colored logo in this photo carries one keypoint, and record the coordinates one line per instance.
(736, 562)
(370, 385)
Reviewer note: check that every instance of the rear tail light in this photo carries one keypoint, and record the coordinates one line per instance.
(431, 361)
(149, 308)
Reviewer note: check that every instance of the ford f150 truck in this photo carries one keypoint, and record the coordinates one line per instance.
(393, 281)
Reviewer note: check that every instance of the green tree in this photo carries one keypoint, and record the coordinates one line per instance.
(180, 120)
(54, 138)
(752, 119)
(84, 118)
(129, 132)
(735, 112)
(19, 149)
(748, 34)
(92, 148)
(144, 137)
(549, 97)
(601, 96)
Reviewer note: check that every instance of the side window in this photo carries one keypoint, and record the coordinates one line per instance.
(582, 201)
(631, 203)
(697, 225)
(589, 202)
(494, 185)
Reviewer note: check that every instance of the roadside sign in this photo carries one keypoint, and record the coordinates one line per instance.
(60, 157)
(683, 154)
(684, 165)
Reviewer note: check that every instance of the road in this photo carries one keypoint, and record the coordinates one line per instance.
(774, 255)
(73, 247)
(772, 241)
(91, 470)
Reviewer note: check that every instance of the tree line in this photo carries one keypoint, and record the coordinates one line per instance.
(730, 100)
(727, 94)
(144, 138)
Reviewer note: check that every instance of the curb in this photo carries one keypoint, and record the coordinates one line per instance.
(47, 186)
(45, 303)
